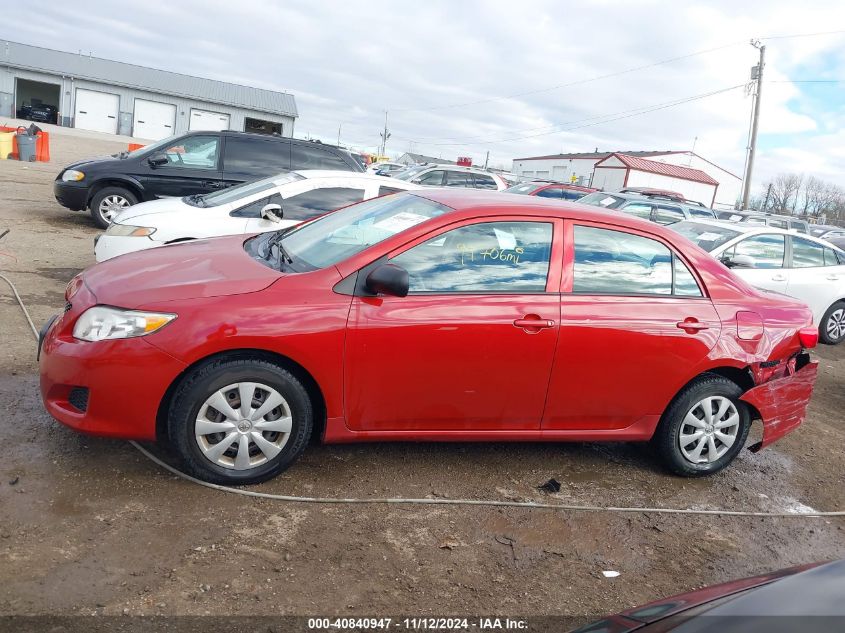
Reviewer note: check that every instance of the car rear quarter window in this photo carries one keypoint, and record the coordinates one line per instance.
(702, 213)
(256, 156)
(310, 157)
(620, 263)
(484, 182)
(639, 209)
(830, 258)
(488, 257)
(806, 254)
(310, 204)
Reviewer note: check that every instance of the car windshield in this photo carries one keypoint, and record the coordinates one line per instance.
(526, 188)
(409, 173)
(818, 231)
(707, 236)
(600, 199)
(238, 192)
(149, 149)
(337, 236)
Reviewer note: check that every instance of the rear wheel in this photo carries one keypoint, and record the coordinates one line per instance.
(832, 327)
(108, 202)
(704, 427)
(239, 421)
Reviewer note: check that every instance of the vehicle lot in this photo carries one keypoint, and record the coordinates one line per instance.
(92, 526)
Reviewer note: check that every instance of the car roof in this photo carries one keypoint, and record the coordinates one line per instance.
(743, 228)
(356, 175)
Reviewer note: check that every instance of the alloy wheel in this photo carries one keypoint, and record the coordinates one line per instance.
(111, 205)
(709, 429)
(835, 325)
(243, 425)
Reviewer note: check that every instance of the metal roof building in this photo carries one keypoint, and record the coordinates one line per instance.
(109, 96)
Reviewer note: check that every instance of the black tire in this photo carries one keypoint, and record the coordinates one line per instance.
(666, 440)
(825, 336)
(101, 220)
(201, 383)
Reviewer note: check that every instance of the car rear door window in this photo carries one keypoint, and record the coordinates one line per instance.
(482, 181)
(767, 251)
(806, 254)
(779, 224)
(639, 209)
(304, 156)
(489, 257)
(310, 204)
(830, 258)
(256, 156)
(666, 214)
(458, 179)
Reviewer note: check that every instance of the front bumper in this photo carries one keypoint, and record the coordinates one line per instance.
(72, 195)
(124, 382)
(108, 246)
(782, 402)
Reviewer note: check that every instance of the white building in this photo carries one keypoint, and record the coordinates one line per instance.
(98, 94)
(579, 169)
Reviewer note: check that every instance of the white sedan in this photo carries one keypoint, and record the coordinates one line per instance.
(254, 207)
(804, 267)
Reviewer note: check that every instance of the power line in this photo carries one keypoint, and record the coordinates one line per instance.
(614, 116)
(569, 84)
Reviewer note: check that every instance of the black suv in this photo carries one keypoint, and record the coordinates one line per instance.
(197, 162)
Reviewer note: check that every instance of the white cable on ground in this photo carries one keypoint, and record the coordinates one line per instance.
(446, 502)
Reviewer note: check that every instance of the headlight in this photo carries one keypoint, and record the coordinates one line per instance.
(101, 322)
(129, 230)
(71, 175)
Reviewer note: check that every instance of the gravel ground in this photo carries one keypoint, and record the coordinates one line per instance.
(90, 526)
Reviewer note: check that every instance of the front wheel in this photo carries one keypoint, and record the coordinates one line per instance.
(108, 202)
(704, 427)
(239, 421)
(832, 326)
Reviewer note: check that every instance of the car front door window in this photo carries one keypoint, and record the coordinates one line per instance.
(767, 251)
(194, 152)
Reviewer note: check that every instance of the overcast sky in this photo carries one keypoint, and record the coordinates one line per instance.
(447, 71)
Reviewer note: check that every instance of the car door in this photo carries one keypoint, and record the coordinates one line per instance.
(635, 322)
(768, 252)
(250, 157)
(307, 199)
(816, 276)
(193, 166)
(471, 346)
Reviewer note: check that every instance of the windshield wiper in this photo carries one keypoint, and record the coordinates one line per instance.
(197, 199)
(276, 240)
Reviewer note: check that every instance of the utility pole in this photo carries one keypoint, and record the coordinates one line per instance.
(338, 134)
(768, 194)
(384, 136)
(487, 159)
(756, 74)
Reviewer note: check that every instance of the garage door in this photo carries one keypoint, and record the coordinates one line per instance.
(153, 120)
(207, 120)
(96, 111)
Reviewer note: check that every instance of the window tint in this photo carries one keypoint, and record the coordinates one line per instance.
(551, 192)
(806, 254)
(310, 157)
(384, 191)
(668, 215)
(572, 194)
(779, 224)
(458, 179)
(484, 182)
(316, 202)
(684, 283)
(432, 178)
(253, 210)
(614, 262)
(830, 258)
(194, 152)
(639, 209)
(800, 225)
(256, 156)
(701, 213)
(767, 251)
(485, 257)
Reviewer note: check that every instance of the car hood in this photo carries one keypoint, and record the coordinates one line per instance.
(95, 162)
(201, 268)
(162, 205)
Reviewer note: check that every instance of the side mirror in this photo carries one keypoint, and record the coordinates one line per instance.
(388, 279)
(157, 160)
(739, 261)
(272, 212)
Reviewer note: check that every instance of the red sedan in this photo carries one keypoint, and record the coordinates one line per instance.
(442, 315)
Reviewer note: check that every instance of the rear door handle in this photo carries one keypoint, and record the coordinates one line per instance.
(832, 277)
(778, 277)
(532, 323)
(691, 325)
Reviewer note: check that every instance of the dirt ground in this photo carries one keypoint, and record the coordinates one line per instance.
(90, 526)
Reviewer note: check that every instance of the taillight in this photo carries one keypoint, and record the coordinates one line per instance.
(809, 337)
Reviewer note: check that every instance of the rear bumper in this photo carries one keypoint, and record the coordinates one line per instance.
(782, 402)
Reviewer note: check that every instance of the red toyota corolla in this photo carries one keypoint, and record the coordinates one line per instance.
(439, 315)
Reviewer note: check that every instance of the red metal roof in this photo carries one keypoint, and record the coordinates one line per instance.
(665, 169)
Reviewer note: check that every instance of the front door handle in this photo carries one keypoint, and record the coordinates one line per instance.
(212, 184)
(532, 323)
(691, 325)
(778, 277)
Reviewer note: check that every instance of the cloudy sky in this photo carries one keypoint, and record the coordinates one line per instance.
(512, 78)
